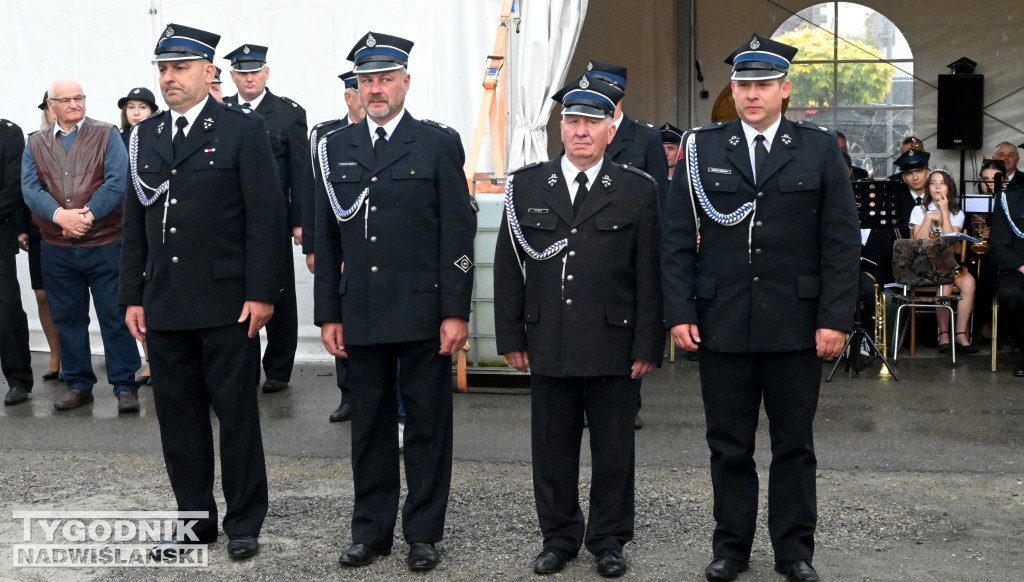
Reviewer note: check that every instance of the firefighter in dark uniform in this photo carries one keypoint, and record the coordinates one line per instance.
(402, 220)
(637, 143)
(15, 358)
(587, 320)
(671, 137)
(1006, 244)
(286, 126)
(318, 195)
(204, 242)
(760, 267)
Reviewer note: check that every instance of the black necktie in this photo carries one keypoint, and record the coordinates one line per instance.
(179, 137)
(760, 155)
(246, 105)
(382, 141)
(581, 193)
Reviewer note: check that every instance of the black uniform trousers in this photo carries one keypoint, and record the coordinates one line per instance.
(733, 385)
(199, 369)
(341, 372)
(282, 332)
(15, 358)
(426, 381)
(556, 431)
(1010, 292)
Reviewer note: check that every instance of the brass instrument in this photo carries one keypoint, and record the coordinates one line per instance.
(980, 247)
(881, 328)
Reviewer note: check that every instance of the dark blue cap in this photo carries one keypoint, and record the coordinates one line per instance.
(760, 59)
(42, 106)
(614, 74)
(248, 58)
(589, 96)
(350, 80)
(216, 76)
(671, 134)
(181, 43)
(377, 52)
(913, 160)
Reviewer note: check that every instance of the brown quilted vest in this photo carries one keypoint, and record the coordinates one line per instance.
(72, 177)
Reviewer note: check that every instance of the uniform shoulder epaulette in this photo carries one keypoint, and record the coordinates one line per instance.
(526, 167)
(438, 125)
(702, 128)
(638, 172)
(643, 124)
(8, 123)
(236, 108)
(294, 105)
(328, 122)
(149, 118)
(814, 126)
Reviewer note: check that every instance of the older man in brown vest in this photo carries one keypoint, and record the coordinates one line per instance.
(73, 177)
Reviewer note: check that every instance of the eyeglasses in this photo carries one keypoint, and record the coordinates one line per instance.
(77, 99)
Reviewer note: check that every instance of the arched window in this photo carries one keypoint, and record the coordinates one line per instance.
(854, 73)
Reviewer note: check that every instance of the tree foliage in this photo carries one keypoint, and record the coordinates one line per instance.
(859, 83)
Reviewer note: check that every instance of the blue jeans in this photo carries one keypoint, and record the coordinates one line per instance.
(68, 275)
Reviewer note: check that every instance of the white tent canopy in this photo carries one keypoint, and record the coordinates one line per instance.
(107, 45)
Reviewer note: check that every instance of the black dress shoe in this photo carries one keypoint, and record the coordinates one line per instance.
(51, 375)
(343, 413)
(422, 557)
(16, 395)
(142, 380)
(360, 555)
(611, 563)
(551, 560)
(272, 385)
(724, 569)
(798, 571)
(242, 547)
(638, 423)
(1019, 372)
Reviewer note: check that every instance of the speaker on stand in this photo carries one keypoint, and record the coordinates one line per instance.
(961, 104)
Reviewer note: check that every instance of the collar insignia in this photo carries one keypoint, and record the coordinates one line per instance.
(786, 139)
(160, 128)
(207, 123)
(606, 181)
(370, 41)
(734, 140)
(552, 179)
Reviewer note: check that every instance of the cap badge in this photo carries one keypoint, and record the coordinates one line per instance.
(169, 32)
(552, 180)
(786, 139)
(734, 140)
(590, 66)
(135, 92)
(370, 41)
(754, 44)
(584, 83)
(245, 49)
(160, 128)
(606, 181)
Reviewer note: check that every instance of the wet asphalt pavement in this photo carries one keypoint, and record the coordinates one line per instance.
(919, 479)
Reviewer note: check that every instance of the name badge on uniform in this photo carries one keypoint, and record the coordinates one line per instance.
(344, 164)
(536, 210)
(725, 171)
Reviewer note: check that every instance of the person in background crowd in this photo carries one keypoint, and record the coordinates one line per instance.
(286, 126)
(856, 174)
(35, 271)
(938, 214)
(215, 87)
(670, 138)
(1009, 155)
(73, 177)
(15, 358)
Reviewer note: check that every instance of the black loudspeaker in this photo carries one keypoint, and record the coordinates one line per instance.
(961, 101)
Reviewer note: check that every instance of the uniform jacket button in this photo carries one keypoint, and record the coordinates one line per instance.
(373, 269)
(568, 301)
(174, 259)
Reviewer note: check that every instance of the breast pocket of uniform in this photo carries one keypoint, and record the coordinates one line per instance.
(214, 161)
(149, 166)
(613, 224)
(799, 182)
(345, 180)
(720, 183)
(413, 185)
(543, 222)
